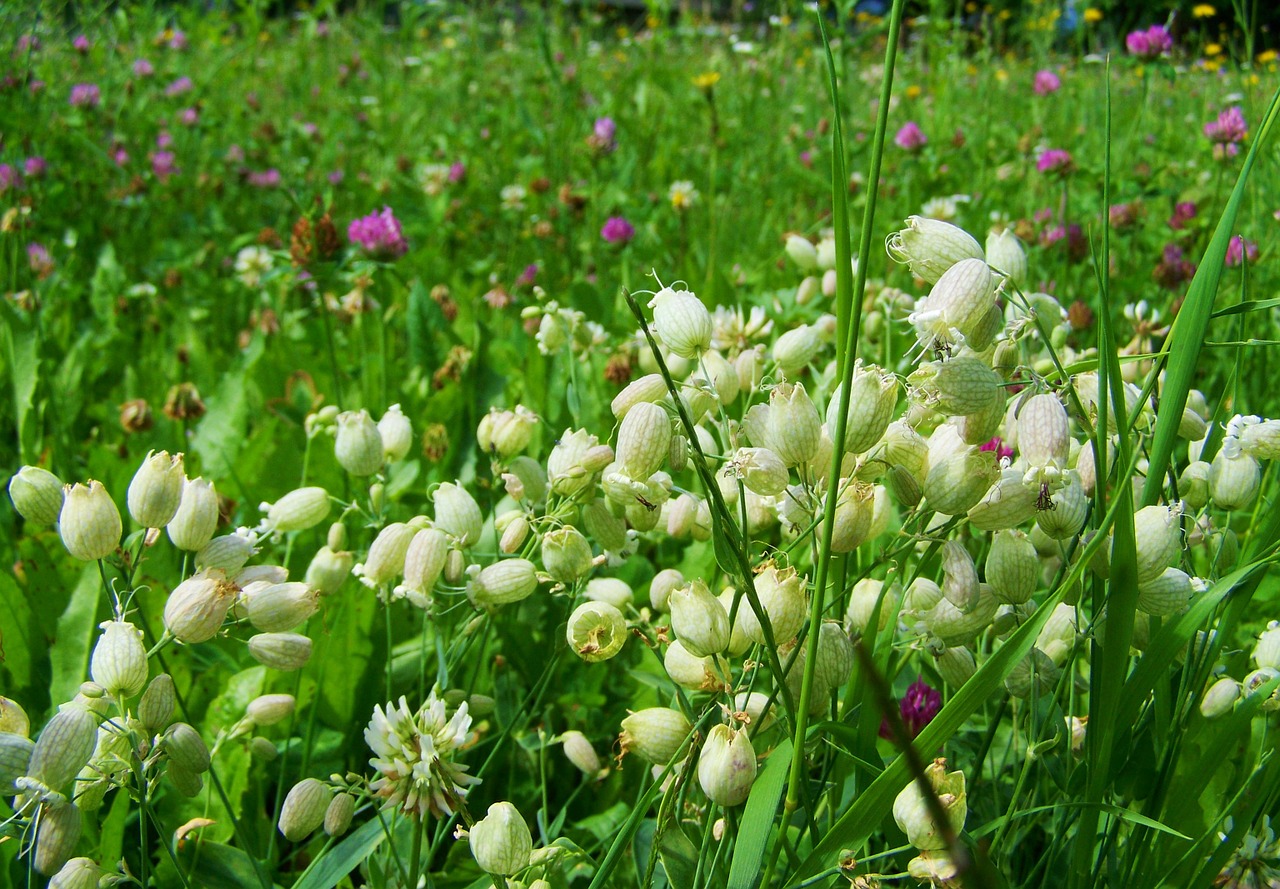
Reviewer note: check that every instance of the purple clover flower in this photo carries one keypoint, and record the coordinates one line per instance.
(81, 44)
(9, 177)
(1183, 212)
(1229, 129)
(379, 235)
(164, 165)
(1240, 249)
(269, 178)
(917, 708)
(1149, 44)
(617, 230)
(143, 68)
(1046, 82)
(85, 95)
(604, 135)
(178, 87)
(1054, 162)
(34, 167)
(910, 137)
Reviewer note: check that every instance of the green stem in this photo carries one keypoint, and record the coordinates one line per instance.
(415, 854)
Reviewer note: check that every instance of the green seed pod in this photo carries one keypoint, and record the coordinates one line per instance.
(299, 510)
(650, 389)
(1065, 518)
(226, 553)
(930, 247)
(862, 604)
(358, 444)
(699, 620)
(566, 555)
(727, 766)
(155, 710)
(655, 733)
(89, 523)
(596, 631)
(337, 818)
(304, 809)
(281, 606)
(1220, 698)
(37, 495)
(1006, 254)
(835, 655)
(955, 665)
(119, 662)
(664, 583)
(956, 387)
(794, 427)
(793, 350)
(196, 608)
(1193, 484)
(681, 322)
(15, 760)
(506, 433)
(156, 490)
(501, 842)
(978, 427)
(186, 782)
(78, 873)
(1159, 540)
(424, 560)
(1013, 567)
(396, 433)
(690, 671)
(1168, 594)
(957, 482)
(1234, 481)
(644, 440)
(192, 526)
(270, 709)
(872, 398)
(1035, 675)
(955, 627)
(281, 651)
(1006, 504)
(328, 570)
(782, 596)
(64, 747)
(186, 748)
(502, 583)
(388, 555)
(457, 514)
(914, 815)
(56, 837)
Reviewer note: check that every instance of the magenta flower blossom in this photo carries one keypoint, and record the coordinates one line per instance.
(163, 140)
(177, 40)
(178, 87)
(9, 177)
(379, 235)
(143, 68)
(999, 448)
(188, 116)
(604, 135)
(163, 165)
(910, 137)
(1226, 133)
(40, 260)
(28, 43)
(269, 178)
(1046, 82)
(457, 171)
(528, 276)
(34, 167)
(1149, 44)
(917, 708)
(1183, 212)
(1054, 162)
(85, 95)
(235, 154)
(119, 155)
(1240, 249)
(617, 230)
(336, 177)
(81, 44)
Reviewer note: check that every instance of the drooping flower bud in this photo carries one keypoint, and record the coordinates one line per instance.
(192, 526)
(690, 671)
(304, 809)
(872, 397)
(64, 747)
(227, 553)
(501, 842)
(596, 631)
(699, 620)
(727, 766)
(506, 433)
(89, 523)
(644, 440)
(328, 569)
(387, 555)
(655, 733)
(664, 583)
(186, 748)
(504, 582)
(1006, 254)
(36, 494)
(279, 607)
(793, 424)
(299, 510)
(1158, 538)
(1220, 698)
(270, 709)
(566, 472)
(782, 596)
(796, 348)
(1266, 653)
(1012, 567)
(1233, 481)
(681, 322)
(930, 247)
(358, 444)
(156, 490)
(566, 554)
(57, 836)
(957, 387)
(155, 710)
(802, 252)
(78, 873)
(337, 817)
(1168, 594)
(579, 751)
(955, 483)
(119, 662)
(281, 651)
(612, 590)
(424, 560)
(196, 608)
(457, 514)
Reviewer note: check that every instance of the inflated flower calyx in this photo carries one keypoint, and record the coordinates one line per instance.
(692, 672)
(504, 434)
(1158, 536)
(855, 510)
(298, 510)
(699, 620)
(596, 631)
(960, 576)
(793, 426)
(188, 783)
(664, 583)
(89, 522)
(956, 627)
(36, 494)
(567, 472)
(424, 560)
(958, 481)
(186, 748)
(280, 607)
(13, 718)
(64, 747)
(15, 761)
(502, 583)
(912, 813)
(655, 733)
(873, 395)
(387, 555)
(57, 836)
(782, 596)
(1168, 594)
(1006, 254)
(862, 603)
(955, 665)
(727, 766)
(327, 570)
(156, 490)
(304, 809)
(501, 842)
(611, 590)
(78, 873)
(1220, 698)
(337, 817)
(579, 751)
(960, 304)
(1266, 653)
(930, 247)
(644, 441)
(793, 350)
(457, 514)
(1035, 676)
(1234, 481)
(1070, 507)
(566, 555)
(396, 433)
(196, 608)
(197, 517)
(119, 661)
(956, 387)
(1044, 432)
(681, 322)
(270, 709)
(1013, 567)
(358, 444)
(1009, 502)
(227, 553)
(280, 651)
(761, 470)
(155, 710)
(650, 388)
(802, 252)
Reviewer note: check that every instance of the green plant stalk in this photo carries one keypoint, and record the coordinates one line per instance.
(849, 295)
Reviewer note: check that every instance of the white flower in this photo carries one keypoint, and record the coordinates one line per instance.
(433, 178)
(413, 753)
(682, 195)
(513, 197)
(252, 263)
(731, 331)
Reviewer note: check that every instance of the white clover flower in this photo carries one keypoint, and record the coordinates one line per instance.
(433, 178)
(252, 263)
(513, 197)
(944, 207)
(413, 755)
(682, 195)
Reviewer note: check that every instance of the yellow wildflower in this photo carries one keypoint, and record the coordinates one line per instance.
(1093, 15)
(913, 92)
(1269, 56)
(1213, 49)
(1203, 11)
(706, 80)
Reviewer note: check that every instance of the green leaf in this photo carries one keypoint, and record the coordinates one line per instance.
(215, 866)
(329, 869)
(679, 856)
(69, 653)
(1118, 811)
(757, 819)
(21, 344)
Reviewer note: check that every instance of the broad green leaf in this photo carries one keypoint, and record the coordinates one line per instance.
(336, 863)
(76, 636)
(757, 820)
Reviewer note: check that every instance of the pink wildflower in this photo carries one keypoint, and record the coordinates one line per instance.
(379, 235)
(1046, 82)
(910, 137)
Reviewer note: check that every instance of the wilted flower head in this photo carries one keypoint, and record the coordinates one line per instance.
(1054, 161)
(1149, 44)
(413, 755)
(617, 230)
(1240, 249)
(379, 235)
(85, 95)
(910, 137)
(1046, 82)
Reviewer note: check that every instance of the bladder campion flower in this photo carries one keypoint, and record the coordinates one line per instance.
(413, 755)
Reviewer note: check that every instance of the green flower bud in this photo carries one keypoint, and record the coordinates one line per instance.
(186, 748)
(655, 733)
(793, 426)
(681, 322)
(501, 842)
(566, 554)
(796, 348)
(1233, 481)
(956, 387)
(727, 766)
(280, 606)
(156, 490)
(13, 718)
(1159, 540)
(699, 620)
(64, 747)
(89, 523)
(298, 510)
(358, 444)
(457, 514)
(913, 814)
(1013, 567)
(188, 783)
(56, 837)
(15, 760)
(502, 583)
(387, 555)
(873, 395)
(304, 809)
(78, 873)
(1006, 254)
(280, 651)
(506, 433)
(650, 389)
(396, 433)
(664, 583)
(1168, 594)
(270, 709)
(196, 608)
(328, 569)
(226, 553)
(1220, 698)
(566, 473)
(579, 751)
(337, 818)
(119, 662)
(155, 710)
(37, 495)
(192, 526)
(644, 440)
(1266, 653)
